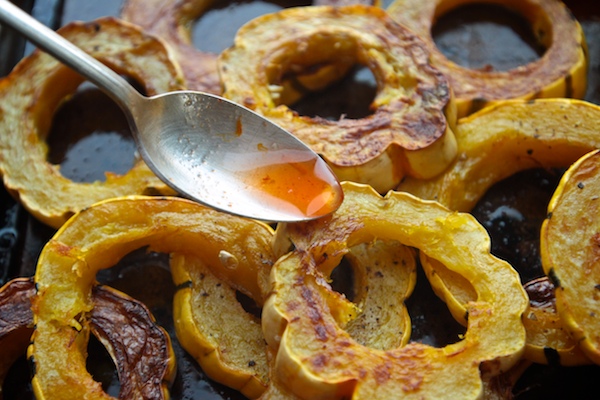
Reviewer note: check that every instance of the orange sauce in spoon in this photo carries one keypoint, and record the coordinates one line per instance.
(301, 186)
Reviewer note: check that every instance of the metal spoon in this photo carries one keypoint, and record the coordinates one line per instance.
(205, 147)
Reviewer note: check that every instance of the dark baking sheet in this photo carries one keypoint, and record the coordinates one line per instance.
(79, 127)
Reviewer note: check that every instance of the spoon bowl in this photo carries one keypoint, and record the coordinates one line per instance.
(205, 147)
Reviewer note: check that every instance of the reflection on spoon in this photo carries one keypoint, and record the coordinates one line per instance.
(205, 147)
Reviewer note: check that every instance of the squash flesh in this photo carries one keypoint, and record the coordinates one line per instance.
(569, 243)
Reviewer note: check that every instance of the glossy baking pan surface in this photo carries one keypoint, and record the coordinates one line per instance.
(90, 136)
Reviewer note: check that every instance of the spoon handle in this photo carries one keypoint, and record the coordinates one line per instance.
(45, 38)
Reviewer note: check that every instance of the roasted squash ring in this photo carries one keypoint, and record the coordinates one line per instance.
(145, 374)
(493, 144)
(16, 322)
(560, 72)
(303, 317)
(384, 274)
(569, 249)
(504, 139)
(172, 21)
(228, 342)
(212, 325)
(33, 91)
(410, 130)
(548, 340)
(96, 238)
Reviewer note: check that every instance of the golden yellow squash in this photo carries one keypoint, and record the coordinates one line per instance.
(560, 72)
(303, 318)
(212, 325)
(504, 139)
(38, 85)
(569, 244)
(410, 129)
(494, 144)
(96, 238)
(548, 339)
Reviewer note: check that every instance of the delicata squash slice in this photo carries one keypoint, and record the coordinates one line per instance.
(172, 21)
(142, 353)
(410, 129)
(303, 318)
(384, 276)
(96, 238)
(506, 138)
(34, 90)
(569, 248)
(548, 339)
(213, 327)
(560, 72)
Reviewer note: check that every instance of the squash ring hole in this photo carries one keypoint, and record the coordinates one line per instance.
(489, 37)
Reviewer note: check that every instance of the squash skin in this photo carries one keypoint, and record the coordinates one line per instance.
(569, 250)
(96, 238)
(410, 130)
(142, 354)
(16, 322)
(302, 318)
(32, 92)
(560, 72)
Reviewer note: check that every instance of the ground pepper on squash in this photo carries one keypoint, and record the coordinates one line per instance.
(97, 238)
(569, 245)
(303, 318)
(494, 144)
